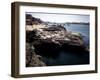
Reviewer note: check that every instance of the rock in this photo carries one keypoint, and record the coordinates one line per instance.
(30, 20)
(55, 35)
(55, 28)
(32, 59)
(36, 26)
(49, 41)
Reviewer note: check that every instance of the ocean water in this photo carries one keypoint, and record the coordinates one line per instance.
(69, 58)
(80, 28)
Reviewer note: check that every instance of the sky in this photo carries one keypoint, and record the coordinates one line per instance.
(61, 18)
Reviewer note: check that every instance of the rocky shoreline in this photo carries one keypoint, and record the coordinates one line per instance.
(47, 40)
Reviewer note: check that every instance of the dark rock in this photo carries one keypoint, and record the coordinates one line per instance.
(32, 59)
(30, 20)
(47, 48)
(31, 36)
(55, 28)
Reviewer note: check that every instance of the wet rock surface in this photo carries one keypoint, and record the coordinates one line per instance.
(47, 42)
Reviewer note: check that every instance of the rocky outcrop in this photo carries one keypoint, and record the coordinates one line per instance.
(32, 59)
(57, 35)
(48, 40)
(30, 20)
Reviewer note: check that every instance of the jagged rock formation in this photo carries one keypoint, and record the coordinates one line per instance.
(31, 20)
(50, 40)
(58, 35)
(32, 59)
(47, 40)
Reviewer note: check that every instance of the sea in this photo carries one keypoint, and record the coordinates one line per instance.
(80, 28)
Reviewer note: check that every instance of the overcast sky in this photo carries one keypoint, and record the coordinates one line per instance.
(61, 18)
